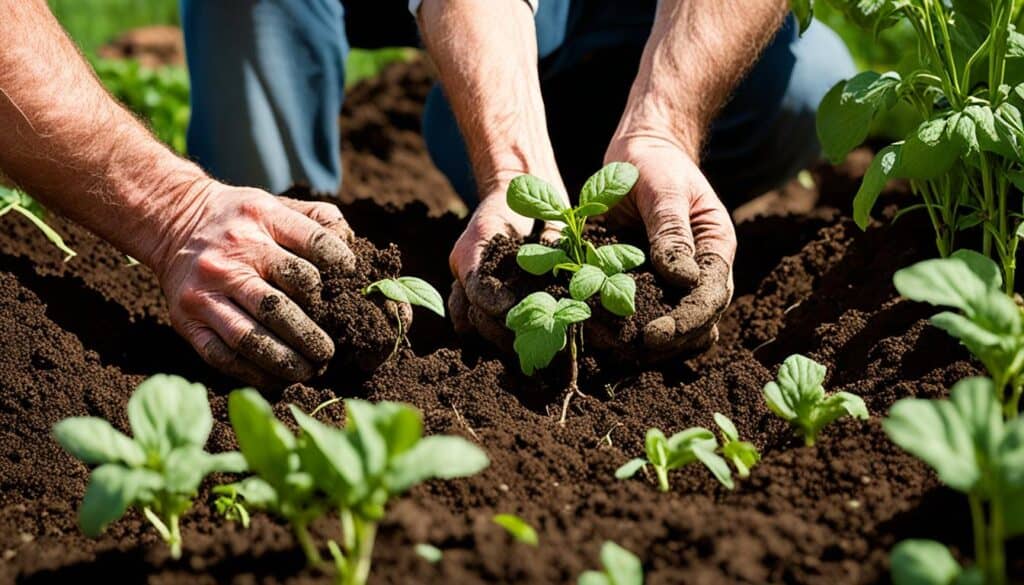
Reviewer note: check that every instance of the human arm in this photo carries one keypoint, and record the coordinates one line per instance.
(228, 258)
(696, 54)
(486, 53)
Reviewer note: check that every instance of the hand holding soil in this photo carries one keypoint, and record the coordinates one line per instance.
(236, 269)
(692, 239)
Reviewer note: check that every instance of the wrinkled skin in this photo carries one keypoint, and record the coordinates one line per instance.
(692, 246)
(236, 270)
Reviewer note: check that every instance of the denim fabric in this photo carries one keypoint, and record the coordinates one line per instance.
(267, 78)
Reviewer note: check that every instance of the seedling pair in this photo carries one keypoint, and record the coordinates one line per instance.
(543, 326)
(972, 450)
(159, 469)
(355, 470)
(966, 88)
(14, 200)
(692, 445)
(989, 324)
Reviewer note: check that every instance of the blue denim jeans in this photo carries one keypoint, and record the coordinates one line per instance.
(268, 84)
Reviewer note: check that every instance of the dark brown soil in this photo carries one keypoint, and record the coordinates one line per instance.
(75, 338)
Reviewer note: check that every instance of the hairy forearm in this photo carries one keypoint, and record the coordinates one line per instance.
(69, 144)
(486, 53)
(696, 54)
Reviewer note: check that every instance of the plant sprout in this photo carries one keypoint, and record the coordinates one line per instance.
(620, 567)
(14, 200)
(518, 528)
(681, 449)
(159, 469)
(742, 454)
(411, 290)
(798, 397)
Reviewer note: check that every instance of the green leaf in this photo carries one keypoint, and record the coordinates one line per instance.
(629, 468)
(537, 347)
(518, 528)
(928, 153)
(95, 441)
(716, 464)
(586, 282)
(798, 388)
(534, 198)
(226, 462)
(184, 469)
(804, 12)
(923, 562)
(368, 440)
(401, 426)
(982, 266)
(569, 311)
(742, 454)
(961, 129)
(440, 457)
(683, 445)
(591, 209)
(656, 446)
(535, 311)
(264, 441)
(429, 553)
(609, 185)
(593, 578)
(621, 566)
(411, 290)
(254, 491)
(166, 412)
(846, 112)
(958, 281)
(728, 428)
(538, 260)
(618, 295)
(615, 258)
(330, 457)
(112, 490)
(885, 166)
(838, 405)
(937, 432)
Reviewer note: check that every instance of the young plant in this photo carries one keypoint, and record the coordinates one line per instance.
(543, 327)
(991, 325)
(620, 567)
(798, 397)
(158, 469)
(681, 449)
(517, 528)
(411, 290)
(596, 269)
(742, 454)
(380, 454)
(965, 87)
(926, 562)
(971, 449)
(14, 200)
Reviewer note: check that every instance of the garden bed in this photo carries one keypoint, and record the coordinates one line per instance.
(77, 338)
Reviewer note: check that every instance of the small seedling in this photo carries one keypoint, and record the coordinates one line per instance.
(991, 326)
(620, 567)
(14, 200)
(381, 453)
(742, 454)
(159, 469)
(518, 528)
(972, 450)
(682, 448)
(543, 327)
(229, 506)
(411, 290)
(798, 397)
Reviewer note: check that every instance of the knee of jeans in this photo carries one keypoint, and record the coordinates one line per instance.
(445, 145)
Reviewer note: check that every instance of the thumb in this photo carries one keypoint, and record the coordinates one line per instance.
(666, 215)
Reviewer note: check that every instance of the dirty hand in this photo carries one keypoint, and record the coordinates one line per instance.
(233, 267)
(692, 240)
(479, 303)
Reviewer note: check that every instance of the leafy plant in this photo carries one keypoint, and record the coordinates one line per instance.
(991, 325)
(411, 290)
(742, 454)
(380, 454)
(621, 567)
(798, 397)
(518, 528)
(158, 469)
(964, 156)
(14, 200)
(971, 449)
(160, 96)
(681, 449)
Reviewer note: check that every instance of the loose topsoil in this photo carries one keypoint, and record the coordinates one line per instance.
(76, 338)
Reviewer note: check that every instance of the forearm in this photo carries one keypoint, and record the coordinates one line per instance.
(486, 53)
(697, 53)
(69, 144)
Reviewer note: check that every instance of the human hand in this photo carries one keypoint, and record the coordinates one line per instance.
(692, 239)
(480, 303)
(233, 266)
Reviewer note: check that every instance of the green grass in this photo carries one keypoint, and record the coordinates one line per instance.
(92, 23)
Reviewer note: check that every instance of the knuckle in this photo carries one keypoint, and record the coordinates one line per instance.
(210, 267)
(253, 207)
(191, 301)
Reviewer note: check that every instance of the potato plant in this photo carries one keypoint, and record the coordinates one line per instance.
(355, 470)
(18, 202)
(619, 567)
(158, 469)
(990, 325)
(972, 450)
(695, 444)
(543, 325)
(966, 87)
(798, 397)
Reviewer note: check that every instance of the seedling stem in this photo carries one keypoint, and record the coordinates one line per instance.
(306, 542)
